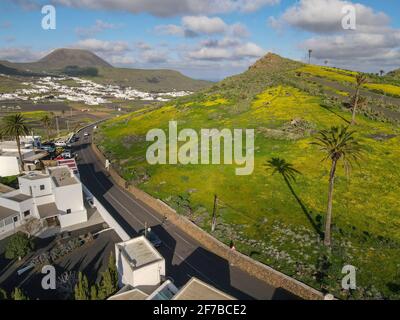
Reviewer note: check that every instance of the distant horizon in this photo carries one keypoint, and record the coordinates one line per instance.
(213, 40)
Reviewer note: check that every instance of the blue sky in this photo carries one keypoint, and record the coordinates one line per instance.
(207, 39)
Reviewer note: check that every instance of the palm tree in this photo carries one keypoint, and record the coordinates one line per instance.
(15, 126)
(338, 143)
(46, 121)
(361, 79)
(382, 72)
(309, 56)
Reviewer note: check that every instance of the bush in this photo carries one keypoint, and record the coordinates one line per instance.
(18, 246)
(3, 294)
(18, 294)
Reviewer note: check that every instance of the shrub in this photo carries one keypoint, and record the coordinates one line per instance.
(18, 246)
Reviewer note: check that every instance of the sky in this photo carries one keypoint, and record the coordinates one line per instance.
(207, 39)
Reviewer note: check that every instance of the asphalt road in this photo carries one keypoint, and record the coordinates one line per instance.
(184, 256)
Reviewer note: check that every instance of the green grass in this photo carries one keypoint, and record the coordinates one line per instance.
(261, 207)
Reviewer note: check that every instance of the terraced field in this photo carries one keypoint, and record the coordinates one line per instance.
(273, 221)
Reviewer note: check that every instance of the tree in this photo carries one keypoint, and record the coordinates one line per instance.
(18, 246)
(18, 294)
(361, 79)
(15, 126)
(82, 288)
(3, 294)
(109, 282)
(46, 121)
(338, 143)
(94, 293)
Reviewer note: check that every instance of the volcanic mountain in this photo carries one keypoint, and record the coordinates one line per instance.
(60, 60)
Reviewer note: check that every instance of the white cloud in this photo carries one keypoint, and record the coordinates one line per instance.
(325, 16)
(226, 49)
(98, 27)
(373, 45)
(204, 25)
(169, 7)
(20, 54)
(194, 26)
(101, 46)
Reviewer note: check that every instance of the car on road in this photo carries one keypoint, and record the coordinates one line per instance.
(152, 237)
(86, 134)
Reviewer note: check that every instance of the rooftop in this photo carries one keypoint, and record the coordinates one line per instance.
(134, 294)
(139, 252)
(47, 210)
(35, 176)
(5, 213)
(16, 196)
(62, 176)
(196, 289)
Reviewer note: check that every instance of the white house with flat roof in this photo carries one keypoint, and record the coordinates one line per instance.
(10, 163)
(141, 271)
(139, 263)
(55, 195)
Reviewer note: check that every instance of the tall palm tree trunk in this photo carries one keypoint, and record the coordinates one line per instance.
(353, 119)
(328, 219)
(17, 139)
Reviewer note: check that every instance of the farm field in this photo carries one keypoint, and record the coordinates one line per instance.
(276, 222)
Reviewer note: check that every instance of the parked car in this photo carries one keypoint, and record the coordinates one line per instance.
(67, 154)
(60, 143)
(49, 147)
(152, 237)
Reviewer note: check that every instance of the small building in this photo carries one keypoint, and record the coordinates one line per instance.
(55, 196)
(141, 274)
(196, 289)
(139, 263)
(10, 163)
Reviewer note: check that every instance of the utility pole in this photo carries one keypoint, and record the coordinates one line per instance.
(309, 56)
(58, 128)
(214, 215)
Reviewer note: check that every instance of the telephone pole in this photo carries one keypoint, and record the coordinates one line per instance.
(214, 215)
(57, 126)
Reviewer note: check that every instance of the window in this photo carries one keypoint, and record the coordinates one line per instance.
(15, 218)
(42, 187)
(27, 213)
(68, 211)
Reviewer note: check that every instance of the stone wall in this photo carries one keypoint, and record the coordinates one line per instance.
(247, 264)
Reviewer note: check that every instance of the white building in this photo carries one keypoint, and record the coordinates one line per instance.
(139, 263)
(194, 289)
(10, 164)
(141, 271)
(55, 196)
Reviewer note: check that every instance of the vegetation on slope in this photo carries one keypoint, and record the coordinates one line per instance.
(275, 221)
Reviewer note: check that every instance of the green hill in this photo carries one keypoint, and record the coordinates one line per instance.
(61, 61)
(286, 102)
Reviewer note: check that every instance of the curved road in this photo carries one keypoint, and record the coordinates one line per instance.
(184, 256)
